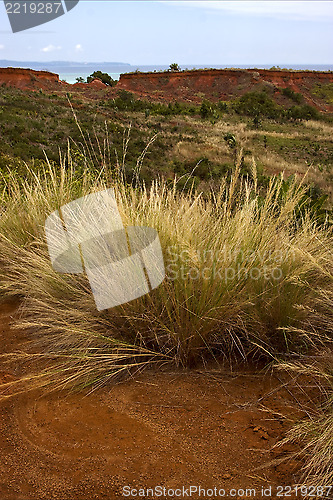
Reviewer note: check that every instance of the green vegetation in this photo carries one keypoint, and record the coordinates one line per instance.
(104, 77)
(184, 135)
(324, 91)
(303, 112)
(291, 94)
(258, 103)
(174, 67)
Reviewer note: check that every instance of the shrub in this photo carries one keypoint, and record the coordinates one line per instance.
(291, 94)
(222, 106)
(205, 109)
(174, 67)
(104, 77)
(304, 112)
(258, 103)
(324, 91)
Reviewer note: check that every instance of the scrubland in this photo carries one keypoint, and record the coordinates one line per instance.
(243, 211)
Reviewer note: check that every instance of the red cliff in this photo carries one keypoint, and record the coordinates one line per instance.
(191, 86)
(29, 79)
(223, 84)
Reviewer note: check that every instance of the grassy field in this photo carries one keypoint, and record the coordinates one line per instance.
(248, 251)
(184, 141)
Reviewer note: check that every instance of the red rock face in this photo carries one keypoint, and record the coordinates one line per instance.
(222, 84)
(96, 83)
(187, 86)
(28, 79)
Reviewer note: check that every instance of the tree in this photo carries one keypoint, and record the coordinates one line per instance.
(79, 79)
(258, 103)
(205, 109)
(174, 67)
(104, 77)
(256, 121)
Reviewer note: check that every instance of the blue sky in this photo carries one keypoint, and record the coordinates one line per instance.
(203, 32)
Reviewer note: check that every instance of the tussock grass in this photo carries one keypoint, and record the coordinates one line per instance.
(324, 128)
(241, 275)
(244, 277)
(316, 433)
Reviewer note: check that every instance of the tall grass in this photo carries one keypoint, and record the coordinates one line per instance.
(241, 274)
(244, 277)
(316, 433)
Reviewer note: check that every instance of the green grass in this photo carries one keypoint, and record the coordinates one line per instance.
(30, 125)
(324, 91)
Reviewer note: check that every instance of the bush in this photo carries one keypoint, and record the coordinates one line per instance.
(104, 77)
(174, 67)
(222, 106)
(324, 91)
(258, 104)
(304, 112)
(294, 96)
(205, 109)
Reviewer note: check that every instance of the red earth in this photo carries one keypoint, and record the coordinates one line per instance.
(187, 86)
(224, 84)
(213, 427)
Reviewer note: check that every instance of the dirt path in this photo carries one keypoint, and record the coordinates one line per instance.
(208, 429)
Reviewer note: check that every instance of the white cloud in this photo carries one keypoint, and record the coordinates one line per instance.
(78, 47)
(51, 48)
(2, 47)
(278, 9)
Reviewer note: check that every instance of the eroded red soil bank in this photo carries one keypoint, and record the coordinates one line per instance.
(191, 86)
(224, 84)
(29, 79)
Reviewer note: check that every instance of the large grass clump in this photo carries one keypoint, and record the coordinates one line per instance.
(242, 275)
(247, 274)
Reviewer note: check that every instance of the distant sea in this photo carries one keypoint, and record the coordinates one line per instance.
(70, 70)
(71, 77)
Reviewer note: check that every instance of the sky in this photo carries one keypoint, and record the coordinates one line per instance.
(189, 32)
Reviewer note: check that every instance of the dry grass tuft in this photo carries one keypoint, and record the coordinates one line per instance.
(316, 433)
(244, 277)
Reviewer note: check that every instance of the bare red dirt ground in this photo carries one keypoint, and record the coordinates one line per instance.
(209, 428)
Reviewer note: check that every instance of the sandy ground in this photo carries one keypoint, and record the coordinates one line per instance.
(213, 429)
